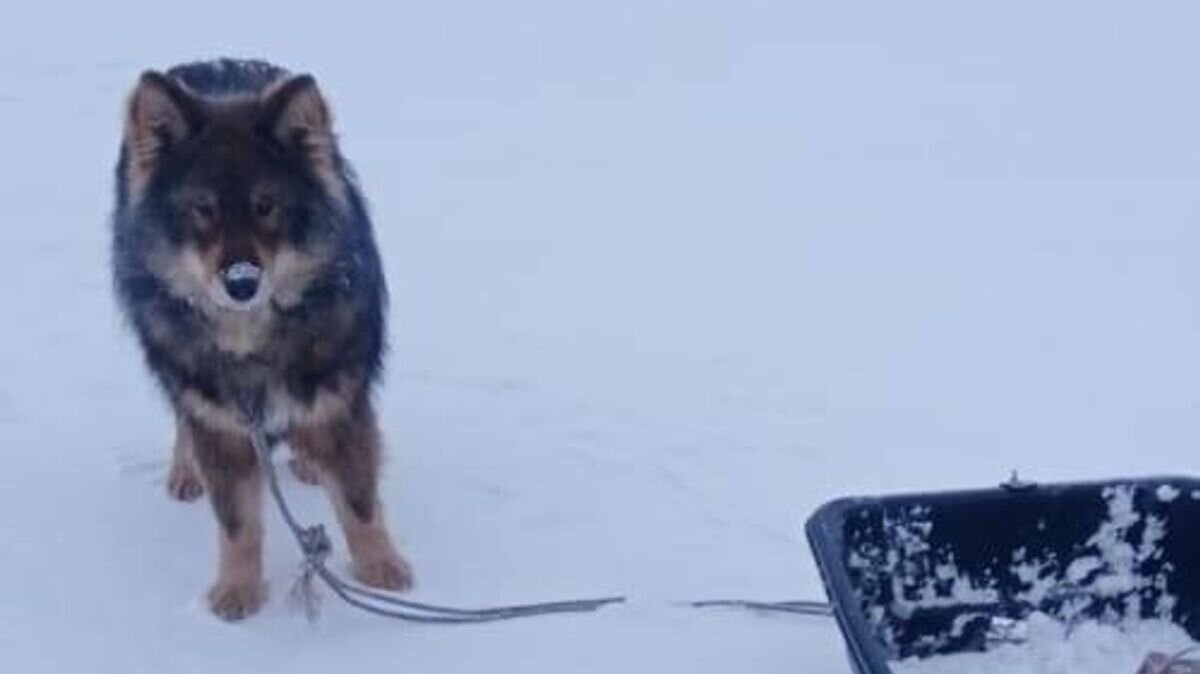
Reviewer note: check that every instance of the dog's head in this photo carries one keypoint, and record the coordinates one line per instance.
(237, 199)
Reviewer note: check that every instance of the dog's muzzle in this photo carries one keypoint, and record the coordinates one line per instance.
(241, 280)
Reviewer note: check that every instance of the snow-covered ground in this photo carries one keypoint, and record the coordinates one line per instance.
(667, 276)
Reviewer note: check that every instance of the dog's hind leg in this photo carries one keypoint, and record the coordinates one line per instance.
(183, 479)
(347, 450)
(234, 482)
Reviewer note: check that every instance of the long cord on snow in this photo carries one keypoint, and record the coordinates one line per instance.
(316, 546)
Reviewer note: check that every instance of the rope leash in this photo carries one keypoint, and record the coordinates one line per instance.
(316, 546)
(814, 608)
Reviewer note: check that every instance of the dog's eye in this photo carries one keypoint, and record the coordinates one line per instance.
(204, 209)
(264, 207)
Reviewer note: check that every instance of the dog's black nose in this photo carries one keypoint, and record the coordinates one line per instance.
(241, 280)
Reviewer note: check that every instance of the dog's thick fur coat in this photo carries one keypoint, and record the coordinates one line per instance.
(233, 165)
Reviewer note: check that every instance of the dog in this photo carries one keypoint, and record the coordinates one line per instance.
(244, 259)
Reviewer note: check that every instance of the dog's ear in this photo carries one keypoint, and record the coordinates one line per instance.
(296, 115)
(161, 114)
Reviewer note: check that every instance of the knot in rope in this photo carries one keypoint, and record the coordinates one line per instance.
(315, 545)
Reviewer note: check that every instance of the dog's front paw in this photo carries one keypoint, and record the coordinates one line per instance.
(387, 571)
(183, 484)
(236, 601)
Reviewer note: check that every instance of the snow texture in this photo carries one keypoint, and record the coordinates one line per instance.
(667, 276)
(1052, 648)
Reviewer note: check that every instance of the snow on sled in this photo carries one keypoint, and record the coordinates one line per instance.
(1023, 578)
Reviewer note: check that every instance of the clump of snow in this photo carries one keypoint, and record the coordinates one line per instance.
(1051, 646)
(1114, 569)
(1167, 494)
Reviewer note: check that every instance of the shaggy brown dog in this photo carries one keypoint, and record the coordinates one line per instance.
(244, 258)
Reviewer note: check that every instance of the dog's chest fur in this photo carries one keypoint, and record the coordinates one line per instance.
(244, 333)
(254, 352)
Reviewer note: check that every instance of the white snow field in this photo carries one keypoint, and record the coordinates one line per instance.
(666, 277)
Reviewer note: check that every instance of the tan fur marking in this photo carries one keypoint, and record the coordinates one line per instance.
(239, 590)
(374, 558)
(185, 273)
(243, 332)
(150, 115)
(347, 449)
(283, 411)
(326, 406)
(293, 272)
(213, 416)
(183, 480)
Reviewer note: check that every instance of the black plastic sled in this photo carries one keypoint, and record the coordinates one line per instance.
(930, 574)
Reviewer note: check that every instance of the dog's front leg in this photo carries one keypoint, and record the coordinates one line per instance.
(234, 482)
(183, 480)
(346, 450)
